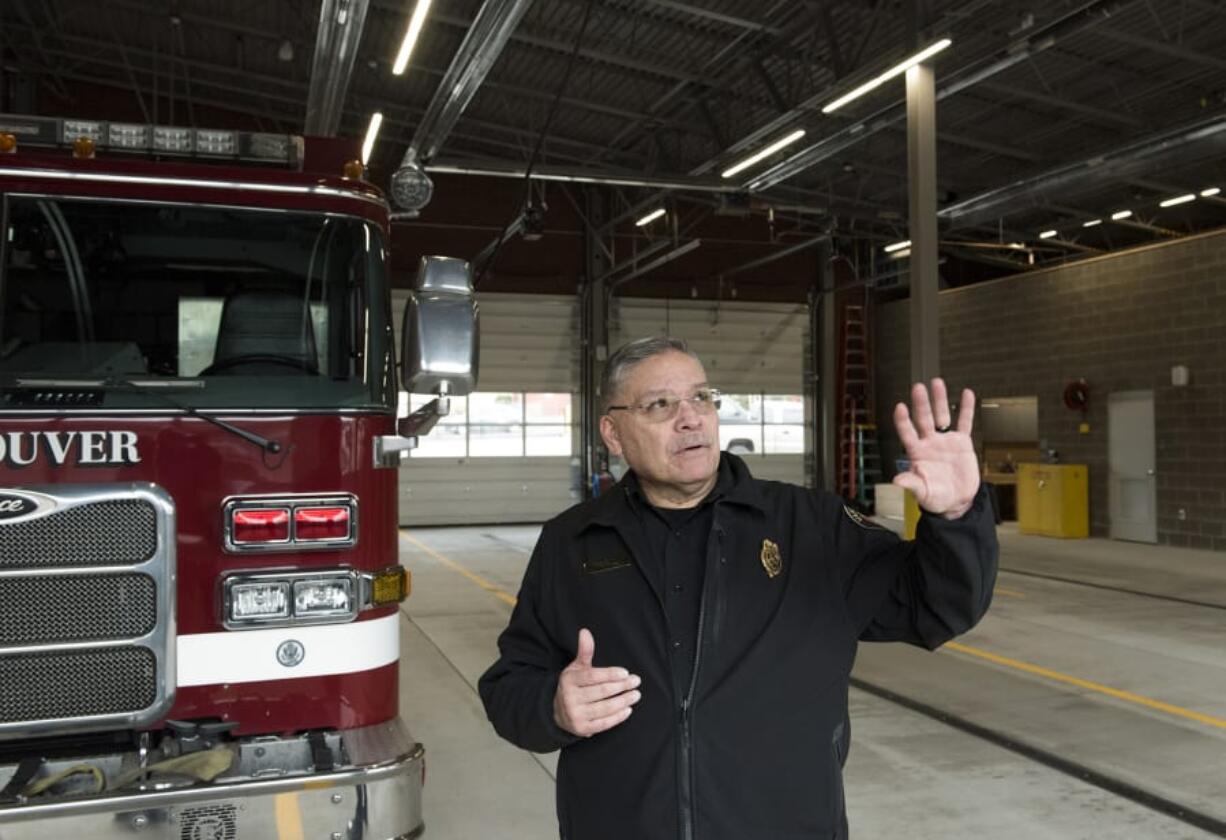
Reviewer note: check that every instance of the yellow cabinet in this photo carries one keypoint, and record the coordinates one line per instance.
(1053, 500)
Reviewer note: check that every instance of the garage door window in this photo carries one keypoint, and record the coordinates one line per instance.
(762, 424)
(502, 424)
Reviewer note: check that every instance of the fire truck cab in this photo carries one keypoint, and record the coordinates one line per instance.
(199, 583)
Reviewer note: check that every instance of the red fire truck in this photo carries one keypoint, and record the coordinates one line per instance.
(199, 585)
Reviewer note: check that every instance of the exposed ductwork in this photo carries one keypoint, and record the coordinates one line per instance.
(489, 33)
(336, 47)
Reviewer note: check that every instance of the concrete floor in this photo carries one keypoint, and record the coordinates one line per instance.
(1131, 686)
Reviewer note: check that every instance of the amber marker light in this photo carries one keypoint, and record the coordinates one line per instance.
(8, 143)
(353, 170)
(390, 586)
(83, 148)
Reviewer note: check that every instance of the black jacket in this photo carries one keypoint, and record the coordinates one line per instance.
(755, 751)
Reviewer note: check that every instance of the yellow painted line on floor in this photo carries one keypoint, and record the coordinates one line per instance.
(1118, 694)
(288, 816)
(1013, 593)
(1017, 664)
(456, 567)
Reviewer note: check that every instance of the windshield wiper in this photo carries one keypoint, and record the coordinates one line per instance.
(154, 388)
(266, 444)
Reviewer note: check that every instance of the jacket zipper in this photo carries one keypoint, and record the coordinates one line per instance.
(840, 801)
(685, 780)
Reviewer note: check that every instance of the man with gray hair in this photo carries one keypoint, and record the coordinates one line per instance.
(728, 611)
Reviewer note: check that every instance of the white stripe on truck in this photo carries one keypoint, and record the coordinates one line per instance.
(239, 656)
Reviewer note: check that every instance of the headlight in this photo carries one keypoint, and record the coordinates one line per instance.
(259, 601)
(317, 596)
(330, 598)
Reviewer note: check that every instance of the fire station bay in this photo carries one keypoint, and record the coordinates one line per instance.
(636, 419)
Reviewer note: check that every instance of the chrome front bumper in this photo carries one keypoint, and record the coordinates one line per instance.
(375, 795)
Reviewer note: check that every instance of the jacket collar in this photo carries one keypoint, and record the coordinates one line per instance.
(617, 506)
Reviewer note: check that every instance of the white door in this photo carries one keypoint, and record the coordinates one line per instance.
(1132, 485)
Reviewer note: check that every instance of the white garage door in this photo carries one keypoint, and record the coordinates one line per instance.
(504, 453)
(754, 353)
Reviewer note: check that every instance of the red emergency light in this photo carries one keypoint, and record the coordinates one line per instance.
(321, 523)
(260, 525)
(290, 523)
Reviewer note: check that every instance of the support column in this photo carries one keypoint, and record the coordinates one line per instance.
(821, 375)
(922, 188)
(593, 339)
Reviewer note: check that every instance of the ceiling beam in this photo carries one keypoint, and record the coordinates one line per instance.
(1163, 48)
(768, 83)
(716, 17)
(1100, 114)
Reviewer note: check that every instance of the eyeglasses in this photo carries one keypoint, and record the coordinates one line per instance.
(665, 408)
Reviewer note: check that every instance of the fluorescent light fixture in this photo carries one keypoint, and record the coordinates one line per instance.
(650, 217)
(1179, 199)
(1210, 193)
(416, 22)
(763, 153)
(1092, 223)
(896, 70)
(897, 246)
(372, 131)
(1121, 215)
(1049, 234)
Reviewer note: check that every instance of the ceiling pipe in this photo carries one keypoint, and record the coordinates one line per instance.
(679, 251)
(775, 255)
(516, 227)
(580, 175)
(1017, 51)
(336, 47)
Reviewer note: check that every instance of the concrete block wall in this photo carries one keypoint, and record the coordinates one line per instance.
(1121, 322)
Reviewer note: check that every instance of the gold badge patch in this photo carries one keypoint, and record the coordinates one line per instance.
(772, 560)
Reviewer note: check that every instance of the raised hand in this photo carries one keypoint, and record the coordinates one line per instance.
(590, 700)
(944, 474)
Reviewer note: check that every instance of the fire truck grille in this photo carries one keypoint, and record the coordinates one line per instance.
(76, 608)
(120, 532)
(209, 822)
(87, 610)
(78, 683)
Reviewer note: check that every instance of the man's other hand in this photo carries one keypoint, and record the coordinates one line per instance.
(944, 474)
(591, 700)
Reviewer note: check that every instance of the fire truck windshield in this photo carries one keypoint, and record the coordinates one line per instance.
(257, 308)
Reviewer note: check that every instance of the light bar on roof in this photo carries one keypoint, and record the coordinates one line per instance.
(155, 139)
(1049, 234)
(1210, 193)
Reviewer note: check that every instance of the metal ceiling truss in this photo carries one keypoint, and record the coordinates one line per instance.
(678, 88)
